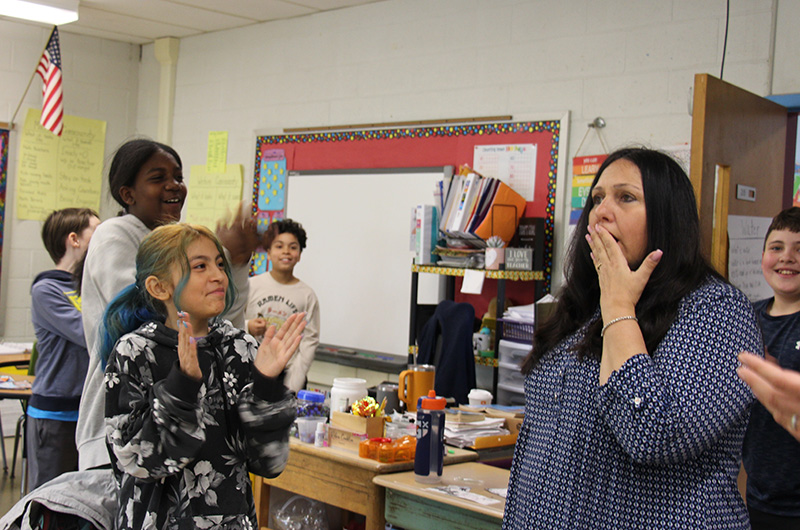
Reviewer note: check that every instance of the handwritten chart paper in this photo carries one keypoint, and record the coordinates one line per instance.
(217, 156)
(213, 195)
(59, 172)
(513, 164)
(746, 242)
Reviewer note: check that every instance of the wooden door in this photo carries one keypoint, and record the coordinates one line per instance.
(745, 135)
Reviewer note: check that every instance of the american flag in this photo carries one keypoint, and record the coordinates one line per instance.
(50, 70)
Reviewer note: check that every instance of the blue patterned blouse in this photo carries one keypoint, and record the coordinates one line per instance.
(657, 447)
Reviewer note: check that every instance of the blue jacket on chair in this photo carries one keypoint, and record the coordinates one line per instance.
(446, 342)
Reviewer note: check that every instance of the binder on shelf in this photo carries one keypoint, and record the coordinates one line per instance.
(453, 190)
(477, 208)
(426, 232)
(504, 213)
(463, 212)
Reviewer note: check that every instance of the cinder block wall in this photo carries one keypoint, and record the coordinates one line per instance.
(100, 80)
(629, 61)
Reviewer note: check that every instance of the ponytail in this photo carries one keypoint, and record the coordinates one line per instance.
(131, 308)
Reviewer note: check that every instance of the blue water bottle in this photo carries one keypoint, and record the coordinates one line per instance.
(429, 458)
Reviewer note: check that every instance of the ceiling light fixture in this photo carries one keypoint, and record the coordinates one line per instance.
(55, 12)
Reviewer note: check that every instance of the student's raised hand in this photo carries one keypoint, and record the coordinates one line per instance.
(187, 348)
(776, 388)
(620, 287)
(257, 326)
(238, 234)
(278, 347)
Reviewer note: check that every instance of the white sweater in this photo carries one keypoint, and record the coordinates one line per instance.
(276, 302)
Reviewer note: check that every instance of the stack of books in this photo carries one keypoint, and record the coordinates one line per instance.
(477, 208)
(461, 258)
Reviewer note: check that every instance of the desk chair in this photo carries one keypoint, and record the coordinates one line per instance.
(19, 432)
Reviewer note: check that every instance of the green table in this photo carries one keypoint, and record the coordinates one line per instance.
(410, 505)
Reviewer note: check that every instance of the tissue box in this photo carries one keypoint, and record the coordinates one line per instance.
(372, 427)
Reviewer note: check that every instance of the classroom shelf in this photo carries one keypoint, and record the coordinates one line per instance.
(451, 272)
(525, 276)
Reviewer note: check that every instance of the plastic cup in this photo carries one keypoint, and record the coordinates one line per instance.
(479, 397)
(307, 427)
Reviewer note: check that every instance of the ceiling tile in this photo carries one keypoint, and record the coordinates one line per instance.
(260, 10)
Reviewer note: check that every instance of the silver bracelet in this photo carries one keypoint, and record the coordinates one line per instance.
(618, 319)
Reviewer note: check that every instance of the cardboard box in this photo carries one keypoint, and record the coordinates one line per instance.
(372, 427)
(513, 419)
(345, 439)
(513, 425)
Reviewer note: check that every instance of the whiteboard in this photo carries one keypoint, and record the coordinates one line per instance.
(357, 257)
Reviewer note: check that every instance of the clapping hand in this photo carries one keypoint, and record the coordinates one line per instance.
(187, 348)
(279, 346)
(238, 235)
(257, 326)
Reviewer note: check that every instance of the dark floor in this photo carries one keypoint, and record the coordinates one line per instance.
(10, 487)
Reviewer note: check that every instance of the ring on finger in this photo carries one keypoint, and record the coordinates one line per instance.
(793, 422)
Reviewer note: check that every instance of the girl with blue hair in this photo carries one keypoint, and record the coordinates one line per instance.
(192, 403)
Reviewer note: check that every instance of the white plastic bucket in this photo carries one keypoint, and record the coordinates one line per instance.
(346, 391)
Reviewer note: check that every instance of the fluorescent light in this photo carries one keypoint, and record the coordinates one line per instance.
(56, 12)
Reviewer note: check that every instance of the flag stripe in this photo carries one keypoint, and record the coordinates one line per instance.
(49, 69)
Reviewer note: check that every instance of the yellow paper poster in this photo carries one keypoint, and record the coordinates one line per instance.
(217, 156)
(59, 172)
(213, 195)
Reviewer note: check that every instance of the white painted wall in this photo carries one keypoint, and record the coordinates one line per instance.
(632, 62)
(629, 61)
(100, 80)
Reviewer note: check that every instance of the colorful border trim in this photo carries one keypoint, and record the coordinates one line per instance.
(487, 129)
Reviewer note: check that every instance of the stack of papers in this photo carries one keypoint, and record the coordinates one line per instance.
(10, 348)
(463, 434)
(520, 313)
(7, 383)
(460, 258)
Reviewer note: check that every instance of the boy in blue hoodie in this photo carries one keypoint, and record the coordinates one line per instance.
(63, 358)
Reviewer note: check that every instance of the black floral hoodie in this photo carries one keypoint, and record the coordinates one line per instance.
(181, 449)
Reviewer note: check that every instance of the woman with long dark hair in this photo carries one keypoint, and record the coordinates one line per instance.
(634, 414)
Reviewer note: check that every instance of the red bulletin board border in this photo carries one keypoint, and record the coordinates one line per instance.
(425, 147)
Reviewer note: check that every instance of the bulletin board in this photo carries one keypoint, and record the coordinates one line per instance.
(337, 153)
